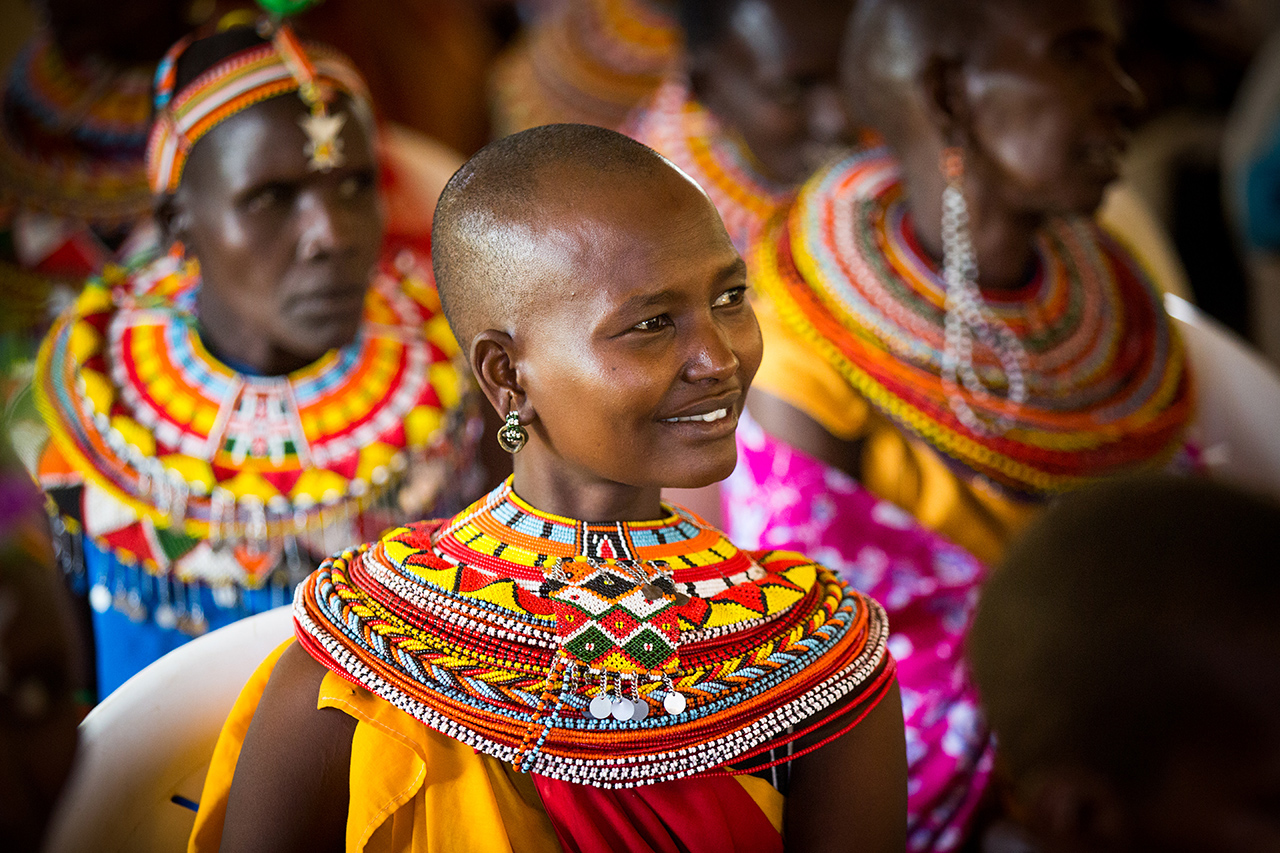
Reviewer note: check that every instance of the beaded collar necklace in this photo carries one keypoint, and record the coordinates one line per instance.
(606, 654)
(682, 130)
(187, 461)
(1108, 386)
(591, 61)
(74, 137)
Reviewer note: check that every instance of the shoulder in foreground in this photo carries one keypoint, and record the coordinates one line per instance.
(291, 782)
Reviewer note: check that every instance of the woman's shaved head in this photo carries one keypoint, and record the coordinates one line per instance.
(498, 211)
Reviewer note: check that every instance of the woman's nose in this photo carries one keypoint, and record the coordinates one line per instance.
(712, 358)
(326, 226)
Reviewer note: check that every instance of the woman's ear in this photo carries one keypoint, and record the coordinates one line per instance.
(173, 220)
(946, 102)
(493, 361)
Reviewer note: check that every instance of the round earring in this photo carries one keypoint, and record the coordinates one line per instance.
(512, 436)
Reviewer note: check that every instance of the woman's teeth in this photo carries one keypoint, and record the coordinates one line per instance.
(709, 417)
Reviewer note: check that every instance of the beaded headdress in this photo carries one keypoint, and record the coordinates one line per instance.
(249, 77)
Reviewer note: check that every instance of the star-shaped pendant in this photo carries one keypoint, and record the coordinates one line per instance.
(324, 147)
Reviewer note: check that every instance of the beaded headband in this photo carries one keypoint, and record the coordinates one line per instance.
(317, 74)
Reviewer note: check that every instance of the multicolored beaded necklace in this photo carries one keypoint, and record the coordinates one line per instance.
(74, 137)
(681, 129)
(605, 654)
(193, 469)
(73, 187)
(591, 61)
(1109, 390)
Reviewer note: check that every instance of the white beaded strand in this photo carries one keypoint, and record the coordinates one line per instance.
(967, 316)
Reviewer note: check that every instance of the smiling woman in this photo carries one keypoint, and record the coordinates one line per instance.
(230, 413)
(570, 635)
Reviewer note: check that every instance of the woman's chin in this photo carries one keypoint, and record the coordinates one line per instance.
(707, 473)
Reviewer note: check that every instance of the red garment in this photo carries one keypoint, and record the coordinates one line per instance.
(704, 814)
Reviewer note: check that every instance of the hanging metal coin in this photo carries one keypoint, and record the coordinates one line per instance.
(601, 707)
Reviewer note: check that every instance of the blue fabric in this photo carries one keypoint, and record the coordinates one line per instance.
(1262, 197)
(124, 647)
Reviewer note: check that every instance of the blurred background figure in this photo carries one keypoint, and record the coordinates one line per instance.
(584, 61)
(755, 107)
(74, 117)
(950, 337)
(916, 299)
(1126, 654)
(40, 670)
(74, 114)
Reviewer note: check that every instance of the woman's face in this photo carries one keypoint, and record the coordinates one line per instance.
(1048, 104)
(773, 79)
(286, 252)
(637, 355)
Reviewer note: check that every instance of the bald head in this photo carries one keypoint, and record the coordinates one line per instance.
(499, 211)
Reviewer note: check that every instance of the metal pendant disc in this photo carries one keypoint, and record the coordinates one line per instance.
(623, 708)
(166, 617)
(601, 707)
(674, 703)
(641, 711)
(100, 598)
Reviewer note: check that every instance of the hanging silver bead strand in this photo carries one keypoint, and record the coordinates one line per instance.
(967, 316)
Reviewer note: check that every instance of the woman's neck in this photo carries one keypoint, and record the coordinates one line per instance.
(1003, 239)
(554, 489)
(238, 344)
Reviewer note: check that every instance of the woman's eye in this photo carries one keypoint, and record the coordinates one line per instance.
(266, 198)
(653, 324)
(730, 297)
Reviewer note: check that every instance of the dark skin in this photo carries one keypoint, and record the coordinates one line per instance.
(774, 78)
(1039, 109)
(640, 310)
(286, 253)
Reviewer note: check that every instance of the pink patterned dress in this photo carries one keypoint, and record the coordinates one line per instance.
(781, 498)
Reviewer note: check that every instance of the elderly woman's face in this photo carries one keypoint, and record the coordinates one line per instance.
(286, 251)
(1049, 103)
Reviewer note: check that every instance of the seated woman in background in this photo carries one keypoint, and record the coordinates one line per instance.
(570, 664)
(756, 109)
(227, 415)
(944, 322)
(1126, 653)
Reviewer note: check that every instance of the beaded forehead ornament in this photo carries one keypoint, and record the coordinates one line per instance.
(237, 83)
